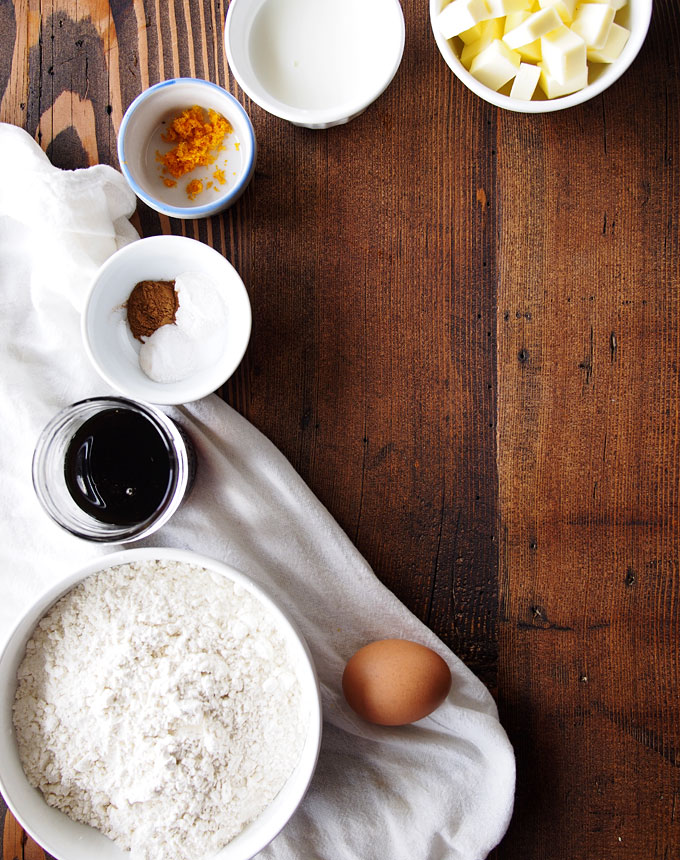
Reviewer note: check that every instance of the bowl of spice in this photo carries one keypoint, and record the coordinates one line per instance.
(187, 148)
(156, 703)
(167, 320)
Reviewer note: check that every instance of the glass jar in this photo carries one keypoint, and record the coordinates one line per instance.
(61, 474)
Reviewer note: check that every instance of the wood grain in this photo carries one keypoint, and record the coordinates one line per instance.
(375, 339)
(588, 465)
(466, 341)
(16, 843)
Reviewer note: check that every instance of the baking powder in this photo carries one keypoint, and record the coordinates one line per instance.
(195, 340)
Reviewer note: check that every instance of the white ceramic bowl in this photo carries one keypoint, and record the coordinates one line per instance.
(109, 343)
(139, 139)
(315, 63)
(63, 838)
(635, 16)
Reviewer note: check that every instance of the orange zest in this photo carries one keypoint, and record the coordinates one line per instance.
(197, 140)
(194, 188)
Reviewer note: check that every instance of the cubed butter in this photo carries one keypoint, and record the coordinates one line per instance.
(592, 23)
(564, 8)
(469, 36)
(531, 52)
(563, 54)
(536, 25)
(616, 42)
(495, 65)
(554, 89)
(544, 43)
(615, 4)
(526, 80)
(491, 30)
(461, 15)
(500, 8)
(514, 19)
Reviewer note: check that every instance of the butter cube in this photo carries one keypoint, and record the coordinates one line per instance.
(554, 89)
(564, 8)
(514, 19)
(616, 42)
(491, 30)
(531, 52)
(461, 15)
(536, 25)
(471, 35)
(563, 54)
(592, 22)
(526, 79)
(495, 65)
(615, 4)
(500, 8)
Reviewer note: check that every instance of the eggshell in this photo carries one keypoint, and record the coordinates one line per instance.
(392, 682)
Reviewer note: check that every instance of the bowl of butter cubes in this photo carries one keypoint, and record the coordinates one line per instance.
(535, 56)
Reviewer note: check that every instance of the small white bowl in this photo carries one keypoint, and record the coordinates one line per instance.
(315, 63)
(139, 139)
(114, 351)
(635, 16)
(63, 838)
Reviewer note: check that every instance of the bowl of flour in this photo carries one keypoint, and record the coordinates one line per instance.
(158, 705)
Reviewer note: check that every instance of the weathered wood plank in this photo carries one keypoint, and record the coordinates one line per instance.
(16, 843)
(588, 384)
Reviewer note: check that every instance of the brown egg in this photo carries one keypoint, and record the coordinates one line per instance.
(394, 681)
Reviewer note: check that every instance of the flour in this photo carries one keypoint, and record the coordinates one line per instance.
(158, 702)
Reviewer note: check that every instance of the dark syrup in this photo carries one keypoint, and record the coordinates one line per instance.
(118, 467)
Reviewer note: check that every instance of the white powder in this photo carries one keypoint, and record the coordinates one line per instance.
(196, 338)
(158, 702)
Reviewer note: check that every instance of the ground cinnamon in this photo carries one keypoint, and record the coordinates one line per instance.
(151, 305)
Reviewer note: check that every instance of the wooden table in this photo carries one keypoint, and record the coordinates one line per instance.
(466, 341)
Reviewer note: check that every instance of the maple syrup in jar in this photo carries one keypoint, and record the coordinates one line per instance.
(112, 470)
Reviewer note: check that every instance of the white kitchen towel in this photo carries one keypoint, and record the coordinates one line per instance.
(441, 789)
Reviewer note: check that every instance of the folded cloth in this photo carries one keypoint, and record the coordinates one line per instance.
(440, 789)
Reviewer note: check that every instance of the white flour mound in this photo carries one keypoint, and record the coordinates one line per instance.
(158, 703)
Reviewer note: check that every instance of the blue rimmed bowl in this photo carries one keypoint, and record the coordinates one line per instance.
(141, 140)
